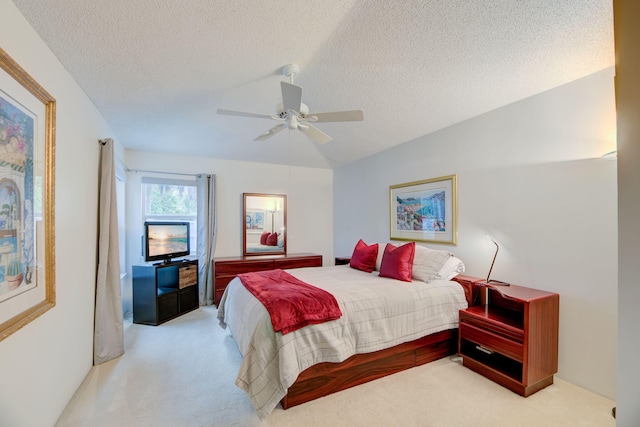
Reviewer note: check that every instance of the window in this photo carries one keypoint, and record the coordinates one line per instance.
(171, 200)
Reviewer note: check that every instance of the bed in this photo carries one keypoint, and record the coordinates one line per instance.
(387, 325)
(258, 247)
(266, 242)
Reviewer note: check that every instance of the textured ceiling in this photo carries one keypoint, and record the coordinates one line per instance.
(159, 69)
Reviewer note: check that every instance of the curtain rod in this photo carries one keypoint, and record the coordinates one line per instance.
(166, 173)
(103, 141)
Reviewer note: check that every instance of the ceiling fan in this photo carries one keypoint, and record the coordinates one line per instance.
(295, 114)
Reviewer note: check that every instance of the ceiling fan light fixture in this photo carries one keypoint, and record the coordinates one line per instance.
(296, 114)
(280, 111)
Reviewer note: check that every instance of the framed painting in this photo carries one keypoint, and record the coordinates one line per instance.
(27, 154)
(425, 211)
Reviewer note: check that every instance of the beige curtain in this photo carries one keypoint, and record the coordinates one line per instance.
(108, 341)
(206, 187)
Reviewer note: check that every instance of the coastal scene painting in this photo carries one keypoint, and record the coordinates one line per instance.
(424, 211)
(421, 211)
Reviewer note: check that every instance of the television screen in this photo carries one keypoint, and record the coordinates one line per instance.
(166, 240)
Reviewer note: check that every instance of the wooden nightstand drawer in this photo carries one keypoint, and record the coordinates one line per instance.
(498, 328)
(491, 341)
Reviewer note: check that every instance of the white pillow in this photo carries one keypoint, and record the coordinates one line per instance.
(451, 268)
(428, 262)
(439, 264)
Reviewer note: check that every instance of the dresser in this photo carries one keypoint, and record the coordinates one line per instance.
(226, 268)
(513, 338)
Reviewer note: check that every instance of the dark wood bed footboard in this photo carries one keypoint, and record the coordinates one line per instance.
(327, 378)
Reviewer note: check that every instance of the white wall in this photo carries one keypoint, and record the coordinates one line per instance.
(308, 190)
(626, 18)
(42, 364)
(531, 175)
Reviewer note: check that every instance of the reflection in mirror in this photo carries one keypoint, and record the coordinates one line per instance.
(264, 224)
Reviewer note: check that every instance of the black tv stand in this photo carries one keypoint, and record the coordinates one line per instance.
(164, 290)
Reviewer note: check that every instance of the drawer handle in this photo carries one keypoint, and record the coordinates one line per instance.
(484, 350)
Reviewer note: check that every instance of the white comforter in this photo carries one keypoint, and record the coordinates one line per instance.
(377, 313)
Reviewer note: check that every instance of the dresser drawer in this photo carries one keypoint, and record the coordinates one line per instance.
(234, 267)
(218, 295)
(311, 261)
(492, 341)
(226, 269)
(220, 284)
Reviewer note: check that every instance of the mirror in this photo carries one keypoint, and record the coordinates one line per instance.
(264, 219)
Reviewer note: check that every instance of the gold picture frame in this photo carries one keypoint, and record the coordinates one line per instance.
(27, 164)
(425, 211)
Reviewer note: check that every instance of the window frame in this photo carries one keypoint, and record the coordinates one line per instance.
(192, 219)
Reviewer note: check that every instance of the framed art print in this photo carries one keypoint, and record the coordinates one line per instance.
(424, 211)
(27, 147)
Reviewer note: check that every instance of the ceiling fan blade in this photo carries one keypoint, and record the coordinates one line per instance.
(271, 132)
(338, 116)
(243, 114)
(314, 133)
(291, 96)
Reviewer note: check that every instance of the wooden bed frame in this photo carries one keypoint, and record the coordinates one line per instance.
(327, 378)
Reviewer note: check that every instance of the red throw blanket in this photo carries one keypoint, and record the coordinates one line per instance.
(291, 302)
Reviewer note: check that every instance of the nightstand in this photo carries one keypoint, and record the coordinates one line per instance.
(471, 288)
(513, 339)
(342, 261)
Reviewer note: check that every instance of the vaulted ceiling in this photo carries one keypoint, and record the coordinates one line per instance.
(158, 70)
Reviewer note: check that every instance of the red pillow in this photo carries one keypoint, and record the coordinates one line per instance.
(272, 239)
(364, 257)
(263, 237)
(397, 262)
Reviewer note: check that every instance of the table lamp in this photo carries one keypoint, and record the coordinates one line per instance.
(489, 281)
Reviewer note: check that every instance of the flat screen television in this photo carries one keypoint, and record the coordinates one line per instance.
(164, 240)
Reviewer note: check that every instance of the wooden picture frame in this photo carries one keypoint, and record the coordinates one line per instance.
(424, 211)
(27, 164)
(263, 213)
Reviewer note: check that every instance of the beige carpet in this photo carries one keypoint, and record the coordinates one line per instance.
(182, 374)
